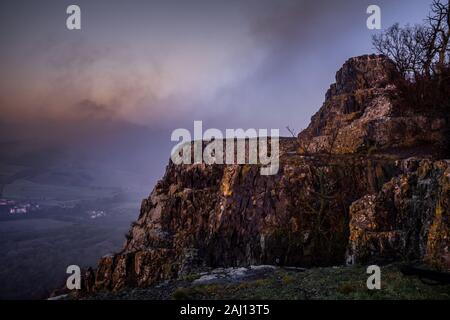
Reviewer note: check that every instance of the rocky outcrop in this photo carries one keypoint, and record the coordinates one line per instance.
(334, 197)
(220, 216)
(408, 219)
(361, 114)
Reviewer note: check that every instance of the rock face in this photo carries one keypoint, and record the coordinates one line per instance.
(333, 199)
(360, 113)
(408, 219)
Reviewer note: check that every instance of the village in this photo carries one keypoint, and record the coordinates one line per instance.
(11, 207)
(94, 214)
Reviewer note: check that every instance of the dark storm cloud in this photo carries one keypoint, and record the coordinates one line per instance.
(303, 44)
(208, 58)
(139, 69)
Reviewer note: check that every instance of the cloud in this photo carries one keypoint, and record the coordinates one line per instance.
(90, 109)
(268, 61)
(136, 85)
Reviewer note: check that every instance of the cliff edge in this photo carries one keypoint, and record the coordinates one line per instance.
(362, 183)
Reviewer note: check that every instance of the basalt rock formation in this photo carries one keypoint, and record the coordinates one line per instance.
(347, 191)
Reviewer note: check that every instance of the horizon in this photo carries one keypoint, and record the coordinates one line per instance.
(116, 96)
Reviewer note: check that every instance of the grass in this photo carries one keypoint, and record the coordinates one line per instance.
(330, 283)
(339, 283)
(190, 277)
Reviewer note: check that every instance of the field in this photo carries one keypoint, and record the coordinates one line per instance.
(36, 251)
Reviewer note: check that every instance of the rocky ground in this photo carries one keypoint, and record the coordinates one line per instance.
(270, 282)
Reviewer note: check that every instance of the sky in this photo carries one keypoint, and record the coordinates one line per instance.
(137, 70)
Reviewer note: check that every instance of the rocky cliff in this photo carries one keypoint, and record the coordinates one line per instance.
(347, 190)
(362, 113)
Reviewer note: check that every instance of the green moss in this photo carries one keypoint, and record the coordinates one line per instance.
(181, 294)
(190, 277)
(336, 283)
(287, 279)
(346, 288)
(327, 283)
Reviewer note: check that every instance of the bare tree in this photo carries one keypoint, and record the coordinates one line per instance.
(392, 44)
(291, 131)
(420, 50)
(439, 22)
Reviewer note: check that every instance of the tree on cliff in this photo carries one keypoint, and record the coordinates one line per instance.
(421, 54)
(420, 51)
